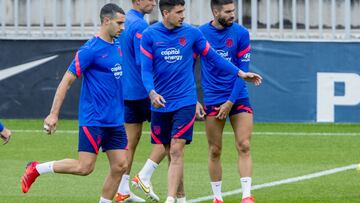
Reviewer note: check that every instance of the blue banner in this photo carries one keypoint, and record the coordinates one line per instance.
(306, 81)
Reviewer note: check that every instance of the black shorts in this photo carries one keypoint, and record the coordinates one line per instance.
(137, 111)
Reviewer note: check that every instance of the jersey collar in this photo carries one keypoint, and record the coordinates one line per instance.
(137, 13)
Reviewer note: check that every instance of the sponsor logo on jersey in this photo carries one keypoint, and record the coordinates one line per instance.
(14, 70)
(172, 55)
(246, 57)
(117, 70)
(224, 54)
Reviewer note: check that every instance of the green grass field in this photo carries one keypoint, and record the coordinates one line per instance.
(279, 151)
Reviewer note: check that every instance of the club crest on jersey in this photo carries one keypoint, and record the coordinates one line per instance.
(229, 42)
(172, 55)
(117, 70)
(157, 130)
(182, 41)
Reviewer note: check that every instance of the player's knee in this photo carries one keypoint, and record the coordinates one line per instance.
(215, 151)
(243, 146)
(175, 154)
(85, 170)
(119, 167)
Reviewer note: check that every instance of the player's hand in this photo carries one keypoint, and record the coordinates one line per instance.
(200, 112)
(5, 135)
(250, 77)
(224, 110)
(50, 123)
(157, 100)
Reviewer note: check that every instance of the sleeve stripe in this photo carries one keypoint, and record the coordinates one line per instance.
(206, 50)
(148, 54)
(243, 52)
(138, 35)
(77, 65)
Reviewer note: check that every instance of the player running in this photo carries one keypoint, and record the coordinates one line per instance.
(167, 72)
(101, 108)
(226, 95)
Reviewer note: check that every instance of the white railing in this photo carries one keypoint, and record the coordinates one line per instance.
(270, 19)
(308, 19)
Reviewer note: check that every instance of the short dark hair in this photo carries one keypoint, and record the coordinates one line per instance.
(219, 3)
(169, 4)
(110, 10)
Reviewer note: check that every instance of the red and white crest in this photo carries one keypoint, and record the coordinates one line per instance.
(182, 41)
(229, 42)
(156, 130)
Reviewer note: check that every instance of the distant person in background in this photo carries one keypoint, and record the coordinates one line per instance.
(5, 133)
(101, 108)
(227, 96)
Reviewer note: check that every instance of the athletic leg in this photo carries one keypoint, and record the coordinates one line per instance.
(242, 124)
(118, 165)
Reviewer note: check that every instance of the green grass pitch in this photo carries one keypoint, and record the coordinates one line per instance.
(279, 151)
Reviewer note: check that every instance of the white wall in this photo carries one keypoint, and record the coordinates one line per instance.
(199, 9)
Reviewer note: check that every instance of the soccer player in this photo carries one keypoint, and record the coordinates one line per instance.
(137, 103)
(101, 108)
(226, 95)
(5, 133)
(167, 71)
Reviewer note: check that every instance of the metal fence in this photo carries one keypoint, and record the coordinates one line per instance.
(266, 19)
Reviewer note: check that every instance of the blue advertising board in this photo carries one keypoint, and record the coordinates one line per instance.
(306, 81)
(303, 81)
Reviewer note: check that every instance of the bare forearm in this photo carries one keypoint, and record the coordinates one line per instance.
(60, 94)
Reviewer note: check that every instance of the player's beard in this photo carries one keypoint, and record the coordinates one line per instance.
(148, 10)
(226, 23)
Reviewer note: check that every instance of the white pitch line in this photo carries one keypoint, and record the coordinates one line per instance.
(225, 133)
(42, 131)
(292, 133)
(307, 133)
(281, 182)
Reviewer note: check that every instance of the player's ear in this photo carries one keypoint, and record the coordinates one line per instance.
(165, 13)
(106, 20)
(216, 11)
